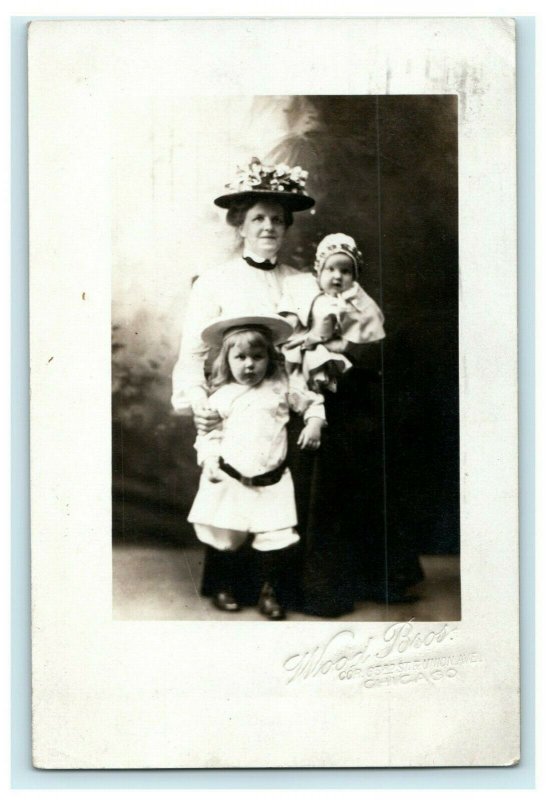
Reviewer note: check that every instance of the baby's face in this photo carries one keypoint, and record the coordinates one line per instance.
(337, 274)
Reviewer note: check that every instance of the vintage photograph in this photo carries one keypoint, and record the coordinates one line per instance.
(285, 360)
(273, 380)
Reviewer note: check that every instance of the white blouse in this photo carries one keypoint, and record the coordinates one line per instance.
(235, 289)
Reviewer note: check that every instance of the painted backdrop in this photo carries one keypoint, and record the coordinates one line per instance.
(382, 169)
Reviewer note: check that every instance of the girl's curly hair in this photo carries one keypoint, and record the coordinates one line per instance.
(252, 336)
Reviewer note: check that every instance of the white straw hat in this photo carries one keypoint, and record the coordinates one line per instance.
(278, 327)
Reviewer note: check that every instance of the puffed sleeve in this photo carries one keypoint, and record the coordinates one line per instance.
(299, 291)
(188, 381)
(287, 305)
(302, 399)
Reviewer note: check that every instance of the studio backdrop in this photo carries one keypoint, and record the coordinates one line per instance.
(382, 169)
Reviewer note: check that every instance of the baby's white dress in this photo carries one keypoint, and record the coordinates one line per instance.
(353, 315)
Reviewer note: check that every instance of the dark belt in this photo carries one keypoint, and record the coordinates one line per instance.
(266, 479)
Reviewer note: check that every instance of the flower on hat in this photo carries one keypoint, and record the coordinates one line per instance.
(268, 177)
(287, 182)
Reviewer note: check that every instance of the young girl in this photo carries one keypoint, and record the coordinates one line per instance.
(245, 487)
(329, 312)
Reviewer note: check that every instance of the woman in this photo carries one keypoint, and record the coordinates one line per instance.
(260, 206)
(343, 555)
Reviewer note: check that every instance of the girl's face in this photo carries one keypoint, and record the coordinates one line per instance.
(337, 274)
(264, 228)
(248, 363)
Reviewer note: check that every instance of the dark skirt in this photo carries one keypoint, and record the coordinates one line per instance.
(347, 551)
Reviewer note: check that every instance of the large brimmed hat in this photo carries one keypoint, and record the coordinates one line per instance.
(277, 182)
(278, 327)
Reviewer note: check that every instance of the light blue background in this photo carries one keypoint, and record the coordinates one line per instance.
(24, 776)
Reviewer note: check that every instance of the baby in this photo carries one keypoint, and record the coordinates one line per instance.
(329, 312)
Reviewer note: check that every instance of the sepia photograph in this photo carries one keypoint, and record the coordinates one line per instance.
(312, 240)
(273, 323)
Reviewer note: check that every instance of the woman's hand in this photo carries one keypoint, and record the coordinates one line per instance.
(309, 438)
(206, 420)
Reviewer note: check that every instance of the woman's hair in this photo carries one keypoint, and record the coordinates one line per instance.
(253, 336)
(238, 210)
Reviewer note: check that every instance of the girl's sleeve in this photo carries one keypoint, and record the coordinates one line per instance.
(188, 381)
(302, 400)
(207, 445)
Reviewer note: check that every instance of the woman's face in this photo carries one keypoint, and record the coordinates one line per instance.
(263, 229)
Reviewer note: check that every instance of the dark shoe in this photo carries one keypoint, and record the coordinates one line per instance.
(268, 604)
(225, 601)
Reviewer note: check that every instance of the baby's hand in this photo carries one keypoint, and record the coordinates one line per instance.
(212, 471)
(309, 438)
(337, 345)
(295, 341)
(312, 340)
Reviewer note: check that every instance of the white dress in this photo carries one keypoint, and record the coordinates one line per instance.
(253, 440)
(359, 318)
(352, 315)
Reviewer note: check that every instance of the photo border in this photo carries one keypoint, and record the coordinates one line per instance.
(23, 774)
